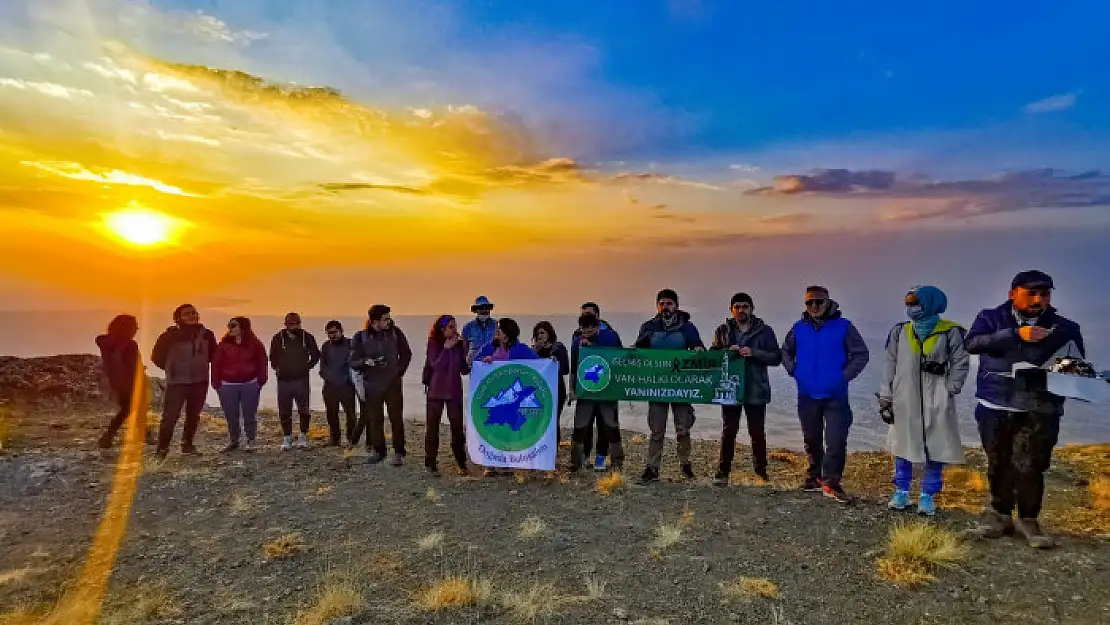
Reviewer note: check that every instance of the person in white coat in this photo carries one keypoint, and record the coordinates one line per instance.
(925, 369)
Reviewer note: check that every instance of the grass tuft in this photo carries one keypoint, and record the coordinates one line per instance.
(1099, 488)
(432, 495)
(667, 536)
(638, 439)
(242, 503)
(533, 527)
(687, 518)
(540, 601)
(916, 549)
(595, 589)
(14, 576)
(747, 588)
(455, 592)
(143, 604)
(285, 546)
(339, 597)
(610, 483)
(435, 540)
(21, 615)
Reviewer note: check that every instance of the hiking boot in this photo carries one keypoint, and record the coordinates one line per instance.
(374, 457)
(811, 485)
(994, 524)
(302, 441)
(761, 473)
(688, 471)
(650, 475)
(900, 500)
(599, 463)
(398, 460)
(926, 506)
(286, 443)
(190, 449)
(230, 448)
(1031, 530)
(834, 491)
(720, 479)
(105, 441)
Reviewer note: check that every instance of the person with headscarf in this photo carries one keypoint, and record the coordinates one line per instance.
(925, 368)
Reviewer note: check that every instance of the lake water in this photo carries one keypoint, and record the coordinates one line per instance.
(38, 334)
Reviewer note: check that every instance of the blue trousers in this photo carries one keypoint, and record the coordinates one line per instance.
(240, 400)
(931, 481)
(825, 425)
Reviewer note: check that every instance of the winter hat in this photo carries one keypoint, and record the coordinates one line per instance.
(667, 294)
(742, 298)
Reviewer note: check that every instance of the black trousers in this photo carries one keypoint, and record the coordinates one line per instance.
(289, 392)
(1019, 451)
(178, 396)
(373, 418)
(334, 398)
(603, 434)
(757, 418)
(434, 416)
(124, 399)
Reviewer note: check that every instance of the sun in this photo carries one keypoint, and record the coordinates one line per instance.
(141, 226)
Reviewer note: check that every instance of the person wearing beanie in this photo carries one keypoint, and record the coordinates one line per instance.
(293, 354)
(1018, 419)
(925, 368)
(381, 353)
(670, 328)
(824, 352)
(755, 341)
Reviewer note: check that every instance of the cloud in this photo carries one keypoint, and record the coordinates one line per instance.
(75, 171)
(1061, 102)
(663, 179)
(828, 181)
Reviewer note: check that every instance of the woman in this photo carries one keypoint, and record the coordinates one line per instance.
(925, 369)
(119, 355)
(239, 370)
(546, 345)
(506, 344)
(443, 370)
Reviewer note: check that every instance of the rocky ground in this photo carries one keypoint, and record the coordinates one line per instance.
(318, 536)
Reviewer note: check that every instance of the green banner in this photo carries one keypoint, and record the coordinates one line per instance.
(659, 375)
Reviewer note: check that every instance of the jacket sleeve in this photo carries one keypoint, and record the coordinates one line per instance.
(261, 362)
(983, 338)
(161, 351)
(890, 362)
(563, 358)
(643, 339)
(693, 337)
(133, 363)
(464, 367)
(275, 351)
(217, 367)
(858, 354)
(403, 351)
(720, 337)
(959, 362)
(357, 356)
(313, 351)
(789, 352)
(431, 359)
(768, 357)
(575, 349)
(210, 337)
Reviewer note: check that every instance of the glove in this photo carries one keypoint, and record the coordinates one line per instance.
(886, 410)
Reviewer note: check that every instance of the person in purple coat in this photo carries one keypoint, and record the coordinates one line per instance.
(444, 367)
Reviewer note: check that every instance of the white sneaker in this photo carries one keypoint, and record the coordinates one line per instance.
(302, 442)
(286, 443)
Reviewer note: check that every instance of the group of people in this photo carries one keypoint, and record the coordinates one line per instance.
(925, 367)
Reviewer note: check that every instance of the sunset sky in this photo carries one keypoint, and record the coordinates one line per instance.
(324, 155)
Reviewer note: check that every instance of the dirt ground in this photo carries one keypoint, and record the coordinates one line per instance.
(318, 536)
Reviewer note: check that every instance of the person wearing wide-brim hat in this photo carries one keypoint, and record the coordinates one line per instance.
(478, 332)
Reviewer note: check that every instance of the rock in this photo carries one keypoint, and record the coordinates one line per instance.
(67, 380)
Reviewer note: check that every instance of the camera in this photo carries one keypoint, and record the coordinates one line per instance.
(934, 368)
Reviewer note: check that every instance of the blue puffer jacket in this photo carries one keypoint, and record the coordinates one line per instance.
(824, 355)
(994, 338)
(655, 334)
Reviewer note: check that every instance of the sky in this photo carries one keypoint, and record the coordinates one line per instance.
(325, 155)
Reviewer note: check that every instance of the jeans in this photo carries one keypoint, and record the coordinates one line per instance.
(603, 436)
(178, 396)
(1019, 451)
(757, 418)
(288, 392)
(657, 422)
(605, 412)
(455, 418)
(825, 425)
(334, 398)
(932, 481)
(240, 400)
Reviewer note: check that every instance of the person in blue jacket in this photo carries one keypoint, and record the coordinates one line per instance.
(591, 334)
(1018, 419)
(506, 344)
(479, 331)
(823, 352)
(669, 329)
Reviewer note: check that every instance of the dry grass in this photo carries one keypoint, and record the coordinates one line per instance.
(211, 424)
(285, 546)
(354, 452)
(318, 433)
(964, 489)
(14, 576)
(21, 615)
(688, 516)
(782, 455)
(610, 483)
(595, 589)
(432, 495)
(143, 603)
(338, 597)
(1080, 505)
(667, 536)
(748, 479)
(455, 592)
(1100, 493)
(540, 601)
(322, 490)
(915, 550)
(638, 439)
(7, 427)
(435, 540)
(746, 588)
(242, 503)
(533, 527)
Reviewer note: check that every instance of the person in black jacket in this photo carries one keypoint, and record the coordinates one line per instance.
(381, 353)
(119, 354)
(339, 390)
(293, 354)
(747, 335)
(546, 345)
(184, 351)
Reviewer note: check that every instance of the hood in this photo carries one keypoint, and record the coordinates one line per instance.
(833, 312)
(105, 341)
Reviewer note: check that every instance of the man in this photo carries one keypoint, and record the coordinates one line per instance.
(1019, 420)
(586, 411)
(184, 351)
(335, 369)
(824, 352)
(746, 335)
(478, 332)
(669, 329)
(603, 437)
(293, 354)
(381, 352)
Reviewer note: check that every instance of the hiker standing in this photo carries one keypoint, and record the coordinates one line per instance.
(751, 338)
(444, 366)
(119, 356)
(293, 354)
(1019, 420)
(546, 345)
(339, 390)
(925, 369)
(239, 371)
(669, 329)
(824, 352)
(586, 411)
(603, 437)
(184, 351)
(381, 353)
(479, 331)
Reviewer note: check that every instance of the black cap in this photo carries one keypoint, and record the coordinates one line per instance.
(1032, 279)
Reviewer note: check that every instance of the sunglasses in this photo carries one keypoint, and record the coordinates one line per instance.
(814, 303)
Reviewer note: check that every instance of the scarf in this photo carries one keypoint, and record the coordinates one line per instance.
(931, 302)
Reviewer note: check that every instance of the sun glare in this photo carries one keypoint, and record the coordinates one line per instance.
(140, 226)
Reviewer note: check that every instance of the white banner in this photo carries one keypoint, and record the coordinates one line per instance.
(510, 414)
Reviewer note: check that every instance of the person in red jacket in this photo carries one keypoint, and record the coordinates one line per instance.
(239, 370)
